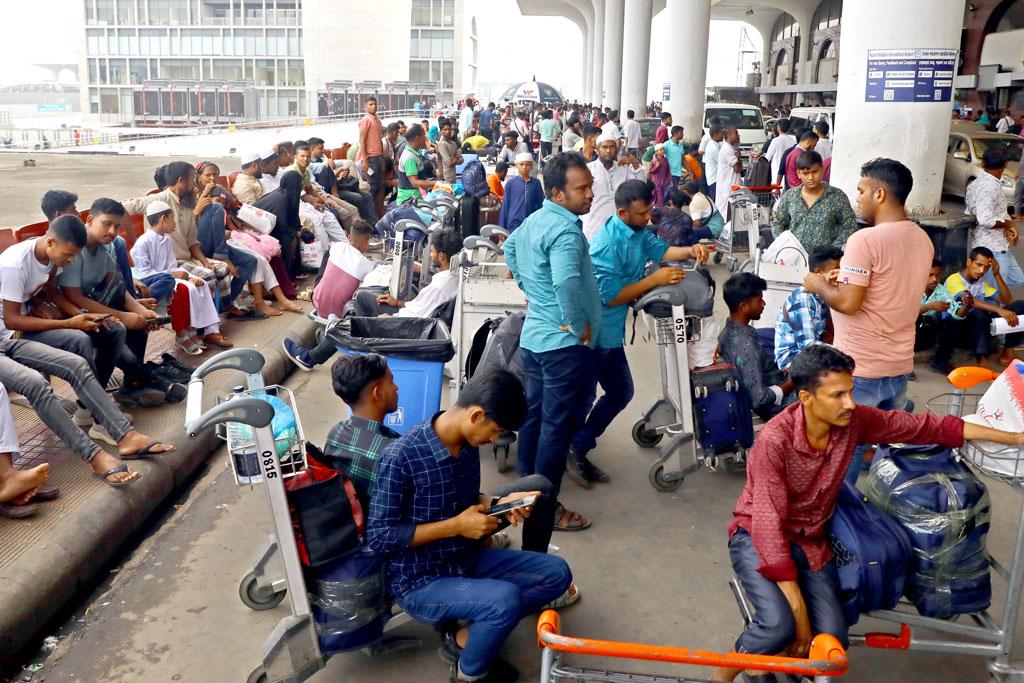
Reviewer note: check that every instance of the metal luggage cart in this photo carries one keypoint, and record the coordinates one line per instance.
(827, 658)
(750, 209)
(291, 653)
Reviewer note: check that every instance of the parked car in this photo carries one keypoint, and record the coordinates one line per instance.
(805, 117)
(746, 117)
(967, 143)
(648, 127)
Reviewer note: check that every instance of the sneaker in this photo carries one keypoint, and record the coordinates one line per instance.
(501, 672)
(170, 361)
(142, 397)
(168, 372)
(569, 597)
(450, 650)
(297, 354)
(173, 392)
(82, 417)
(500, 541)
(574, 466)
(592, 472)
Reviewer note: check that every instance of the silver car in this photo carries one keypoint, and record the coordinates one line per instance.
(967, 143)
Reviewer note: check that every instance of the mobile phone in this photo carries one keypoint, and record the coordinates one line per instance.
(163, 320)
(502, 508)
(103, 317)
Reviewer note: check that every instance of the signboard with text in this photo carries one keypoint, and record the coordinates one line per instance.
(910, 75)
(666, 91)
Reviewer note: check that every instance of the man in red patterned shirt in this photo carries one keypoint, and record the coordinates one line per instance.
(779, 536)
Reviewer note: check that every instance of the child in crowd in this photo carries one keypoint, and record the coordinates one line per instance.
(152, 255)
(344, 271)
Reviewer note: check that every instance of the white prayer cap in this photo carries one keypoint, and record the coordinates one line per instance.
(524, 156)
(660, 145)
(605, 137)
(250, 157)
(157, 207)
(268, 153)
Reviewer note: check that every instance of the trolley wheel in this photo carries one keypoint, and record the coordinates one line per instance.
(644, 437)
(319, 332)
(657, 478)
(736, 464)
(718, 257)
(733, 265)
(258, 675)
(258, 598)
(501, 456)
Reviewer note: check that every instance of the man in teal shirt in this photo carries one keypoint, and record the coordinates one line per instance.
(549, 259)
(620, 251)
(549, 129)
(675, 150)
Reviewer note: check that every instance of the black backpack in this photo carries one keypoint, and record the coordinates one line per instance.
(474, 180)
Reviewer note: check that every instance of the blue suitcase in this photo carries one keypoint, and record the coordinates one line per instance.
(349, 601)
(872, 555)
(945, 510)
(722, 414)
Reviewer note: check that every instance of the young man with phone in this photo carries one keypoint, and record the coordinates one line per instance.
(428, 515)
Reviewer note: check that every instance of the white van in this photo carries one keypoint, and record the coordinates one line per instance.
(746, 118)
(805, 117)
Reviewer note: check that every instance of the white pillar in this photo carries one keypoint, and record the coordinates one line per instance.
(613, 13)
(597, 65)
(588, 52)
(636, 54)
(687, 56)
(914, 133)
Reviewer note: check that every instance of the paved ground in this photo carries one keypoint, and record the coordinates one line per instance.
(653, 569)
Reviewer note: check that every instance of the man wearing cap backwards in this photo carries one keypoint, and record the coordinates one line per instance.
(523, 194)
(247, 187)
(609, 172)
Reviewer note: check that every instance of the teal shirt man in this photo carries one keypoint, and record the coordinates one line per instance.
(549, 129)
(549, 259)
(674, 152)
(620, 254)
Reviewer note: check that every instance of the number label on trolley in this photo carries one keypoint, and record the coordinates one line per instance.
(680, 330)
(269, 466)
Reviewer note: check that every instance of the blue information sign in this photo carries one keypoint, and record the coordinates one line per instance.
(912, 75)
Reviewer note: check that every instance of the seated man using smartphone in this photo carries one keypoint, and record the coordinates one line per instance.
(428, 515)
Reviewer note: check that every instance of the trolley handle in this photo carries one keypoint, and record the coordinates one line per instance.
(827, 657)
(967, 377)
(757, 188)
(492, 230)
(248, 410)
(249, 361)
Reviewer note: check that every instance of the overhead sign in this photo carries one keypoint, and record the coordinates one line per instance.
(910, 75)
(63, 106)
(666, 91)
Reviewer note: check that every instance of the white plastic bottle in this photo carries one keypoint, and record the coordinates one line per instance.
(242, 447)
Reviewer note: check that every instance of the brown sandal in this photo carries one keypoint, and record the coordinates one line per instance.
(575, 521)
(218, 340)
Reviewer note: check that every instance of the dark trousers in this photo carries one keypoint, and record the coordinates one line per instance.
(124, 266)
(974, 333)
(610, 369)
(367, 306)
(362, 202)
(545, 149)
(101, 349)
(929, 329)
(212, 234)
(774, 628)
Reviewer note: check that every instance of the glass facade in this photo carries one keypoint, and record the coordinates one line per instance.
(432, 45)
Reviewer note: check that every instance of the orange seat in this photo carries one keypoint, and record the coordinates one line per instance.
(223, 182)
(7, 238)
(231, 179)
(134, 230)
(27, 232)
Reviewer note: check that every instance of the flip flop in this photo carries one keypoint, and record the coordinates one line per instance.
(18, 511)
(190, 347)
(147, 451)
(46, 493)
(250, 314)
(112, 471)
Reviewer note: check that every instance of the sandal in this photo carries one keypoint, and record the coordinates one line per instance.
(218, 339)
(18, 511)
(190, 346)
(569, 597)
(576, 521)
(116, 470)
(147, 451)
(250, 314)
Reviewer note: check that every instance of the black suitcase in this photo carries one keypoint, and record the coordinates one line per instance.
(469, 216)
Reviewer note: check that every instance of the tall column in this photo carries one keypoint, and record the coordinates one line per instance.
(613, 14)
(636, 54)
(597, 65)
(588, 52)
(687, 56)
(914, 133)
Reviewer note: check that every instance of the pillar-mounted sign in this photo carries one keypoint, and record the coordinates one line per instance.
(910, 75)
(666, 91)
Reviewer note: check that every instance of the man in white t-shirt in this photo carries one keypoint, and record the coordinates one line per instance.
(1004, 123)
(716, 136)
(631, 132)
(443, 287)
(781, 143)
(25, 272)
(611, 126)
(729, 167)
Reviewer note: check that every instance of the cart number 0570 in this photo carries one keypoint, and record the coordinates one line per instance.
(269, 471)
(680, 330)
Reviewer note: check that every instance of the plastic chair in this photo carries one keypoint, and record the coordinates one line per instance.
(27, 232)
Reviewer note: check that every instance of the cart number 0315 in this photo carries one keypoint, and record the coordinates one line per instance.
(269, 470)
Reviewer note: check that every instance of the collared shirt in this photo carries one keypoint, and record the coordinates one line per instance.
(980, 289)
(549, 258)
(374, 132)
(1018, 194)
(185, 233)
(727, 176)
(620, 254)
(828, 222)
(549, 130)
(987, 203)
(711, 161)
(419, 482)
(611, 128)
(569, 139)
(410, 167)
(761, 378)
(802, 322)
(307, 177)
(443, 287)
(605, 183)
(941, 293)
(246, 188)
(497, 187)
(522, 199)
(661, 135)
(824, 148)
(509, 155)
(354, 447)
(792, 487)
(448, 150)
(674, 152)
(269, 183)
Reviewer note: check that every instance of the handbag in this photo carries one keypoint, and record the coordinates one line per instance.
(261, 220)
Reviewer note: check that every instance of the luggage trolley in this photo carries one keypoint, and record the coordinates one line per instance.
(827, 658)
(291, 653)
(750, 209)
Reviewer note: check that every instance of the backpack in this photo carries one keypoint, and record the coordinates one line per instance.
(759, 174)
(696, 292)
(495, 345)
(872, 555)
(474, 180)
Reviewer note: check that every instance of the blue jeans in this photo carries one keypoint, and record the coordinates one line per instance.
(1009, 269)
(774, 628)
(887, 393)
(497, 588)
(212, 234)
(161, 286)
(123, 266)
(610, 369)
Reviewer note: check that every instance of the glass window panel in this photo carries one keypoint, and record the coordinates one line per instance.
(92, 44)
(165, 44)
(111, 43)
(448, 47)
(261, 45)
(105, 12)
(126, 12)
(449, 13)
(118, 70)
(436, 48)
(414, 43)
(94, 71)
(137, 71)
(208, 48)
(447, 75)
(133, 44)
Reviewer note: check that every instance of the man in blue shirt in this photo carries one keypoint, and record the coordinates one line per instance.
(487, 121)
(620, 251)
(675, 150)
(427, 515)
(549, 259)
(804, 317)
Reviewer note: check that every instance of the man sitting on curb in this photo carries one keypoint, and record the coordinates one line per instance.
(427, 515)
(20, 489)
(936, 305)
(779, 536)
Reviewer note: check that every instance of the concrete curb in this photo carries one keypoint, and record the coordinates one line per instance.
(40, 583)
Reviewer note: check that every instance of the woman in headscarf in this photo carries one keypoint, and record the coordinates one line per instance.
(284, 204)
(661, 176)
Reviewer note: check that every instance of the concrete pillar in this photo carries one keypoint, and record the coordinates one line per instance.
(687, 55)
(613, 15)
(914, 133)
(597, 65)
(588, 51)
(636, 54)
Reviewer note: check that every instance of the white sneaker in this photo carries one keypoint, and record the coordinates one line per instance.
(82, 417)
(99, 433)
(500, 541)
(567, 598)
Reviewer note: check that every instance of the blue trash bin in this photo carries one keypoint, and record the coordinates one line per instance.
(416, 349)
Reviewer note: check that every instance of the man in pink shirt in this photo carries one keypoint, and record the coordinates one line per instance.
(876, 295)
(371, 152)
(807, 143)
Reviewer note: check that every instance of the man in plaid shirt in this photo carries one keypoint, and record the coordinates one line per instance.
(803, 319)
(353, 446)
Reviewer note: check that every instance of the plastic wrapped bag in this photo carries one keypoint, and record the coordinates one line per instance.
(1001, 407)
(785, 250)
(702, 352)
(349, 602)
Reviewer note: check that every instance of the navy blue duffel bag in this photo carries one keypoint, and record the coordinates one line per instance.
(945, 511)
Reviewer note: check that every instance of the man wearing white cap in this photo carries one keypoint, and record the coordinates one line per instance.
(270, 164)
(247, 187)
(523, 194)
(609, 172)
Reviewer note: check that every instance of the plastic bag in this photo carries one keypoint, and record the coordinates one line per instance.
(702, 352)
(264, 221)
(413, 338)
(312, 254)
(1001, 407)
(349, 602)
(785, 250)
